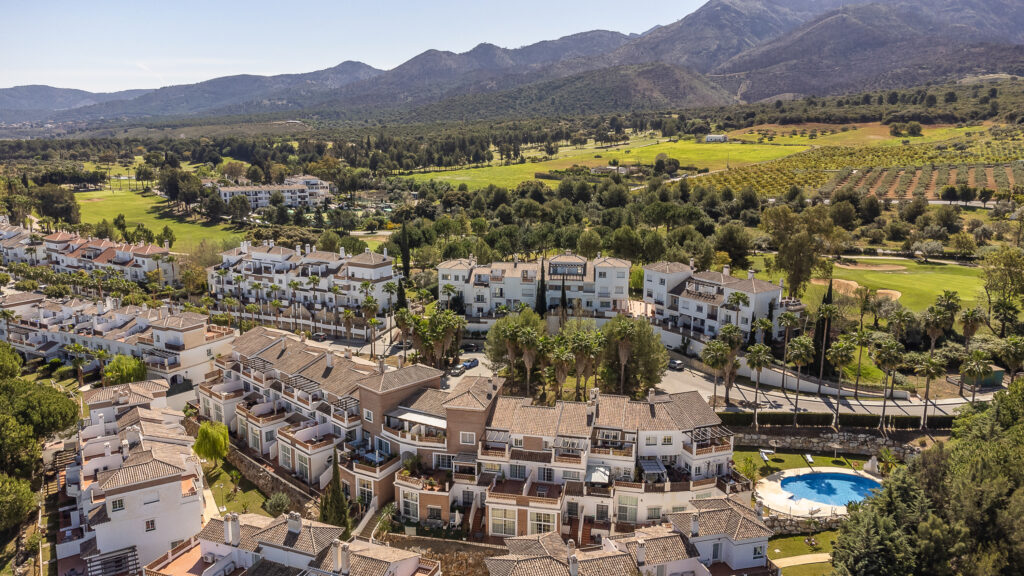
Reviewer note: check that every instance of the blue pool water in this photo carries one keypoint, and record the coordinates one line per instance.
(829, 488)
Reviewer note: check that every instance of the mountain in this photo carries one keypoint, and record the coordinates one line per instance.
(726, 51)
(880, 46)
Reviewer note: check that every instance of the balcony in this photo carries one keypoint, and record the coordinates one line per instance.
(262, 412)
(493, 452)
(308, 436)
(706, 448)
(621, 450)
(357, 458)
(425, 437)
(428, 481)
(526, 493)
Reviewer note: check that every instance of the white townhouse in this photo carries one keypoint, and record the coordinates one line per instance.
(314, 286)
(176, 346)
(298, 191)
(725, 531)
(289, 545)
(135, 488)
(598, 287)
(698, 303)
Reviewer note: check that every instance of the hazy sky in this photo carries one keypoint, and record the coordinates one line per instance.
(107, 45)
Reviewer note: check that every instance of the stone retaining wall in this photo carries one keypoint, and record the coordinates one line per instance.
(788, 525)
(456, 557)
(861, 442)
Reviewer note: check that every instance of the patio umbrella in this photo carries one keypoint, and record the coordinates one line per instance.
(458, 518)
(835, 446)
(774, 443)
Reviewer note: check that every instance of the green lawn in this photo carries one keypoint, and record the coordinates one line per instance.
(789, 546)
(688, 152)
(151, 211)
(247, 499)
(868, 371)
(787, 460)
(819, 569)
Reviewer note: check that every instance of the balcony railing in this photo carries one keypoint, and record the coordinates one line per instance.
(439, 439)
(707, 449)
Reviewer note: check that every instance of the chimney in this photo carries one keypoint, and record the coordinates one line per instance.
(385, 251)
(341, 251)
(294, 522)
(124, 449)
(330, 359)
(228, 526)
(345, 559)
(695, 524)
(726, 270)
(106, 448)
(594, 393)
(167, 244)
(641, 553)
(366, 251)
(298, 249)
(336, 556)
(574, 566)
(691, 264)
(750, 274)
(572, 546)
(308, 250)
(380, 363)
(271, 243)
(782, 283)
(236, 530)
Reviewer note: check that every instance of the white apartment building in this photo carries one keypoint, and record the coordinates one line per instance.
(303, 190)
(697, 303)
(176, 346)
(598, 287)
(135, 488)
(314, 286)
(290, 545)
(69, 253)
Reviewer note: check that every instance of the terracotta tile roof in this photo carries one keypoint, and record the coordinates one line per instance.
(256, 340)
(60, 237)
(405, 376)
(662, 544)
(131, 474)
(264, 567)
(572, 420)
(457, 263)
(667, 267)
(505, 411)
(311, 538)
(369, 259)
(366, 559)
(289, 356)
(474, 393)
(182, 321)
(609, 261)
(250, 524)
(689, 410)
(339, 379)
(684, 411)
(547, 555)
(137, 392)
(428, 401)
(721, 517)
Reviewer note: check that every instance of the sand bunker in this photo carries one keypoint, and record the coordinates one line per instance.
(873, 267)
(849, 288)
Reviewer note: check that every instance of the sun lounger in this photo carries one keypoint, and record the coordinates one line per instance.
(764, 456)
(809, 459)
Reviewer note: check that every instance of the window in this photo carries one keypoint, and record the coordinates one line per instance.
(365, 490)
(602, 274)
(368, 415)
(758, 552)
(503, 522)
(151, 498)
(150, 525)
(383, 446)
(492, 467)
(602, 513)
(661, 282)
(570, 474)
(654, 512)
(303, 467)
(619, 290)
(541, 522)
(744, 321)
(433, 513)
(467, 438)
(254, 439)
(117, 505)
(620, 274)
(443, 461)
(659, 570)
(700, 307)
(176, 543)
(545, 475)
(410, 505)
(666, 441)
(285, 456)
(627, 509)
(651, 441)
(517, 472)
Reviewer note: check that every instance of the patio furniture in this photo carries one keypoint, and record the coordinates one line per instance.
(809, 459)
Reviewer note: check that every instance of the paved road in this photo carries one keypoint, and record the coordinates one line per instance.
(777, 401)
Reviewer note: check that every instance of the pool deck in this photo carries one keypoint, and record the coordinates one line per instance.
(769, 492)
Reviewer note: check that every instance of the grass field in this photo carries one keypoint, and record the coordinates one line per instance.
(688, 152)
(869, 134)
(787, 460)
(151, 211)
(819, 569)
(247, 499)
(789, 546)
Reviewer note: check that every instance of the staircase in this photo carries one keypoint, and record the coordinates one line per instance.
(586, 539)
(479, 525)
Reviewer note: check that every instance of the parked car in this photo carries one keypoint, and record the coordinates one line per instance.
(676, 365)
(469, 347)
(471, 363)
(457, 370)
(320, 337)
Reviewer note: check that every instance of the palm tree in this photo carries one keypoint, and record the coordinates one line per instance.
(978, 366)
(789, 321)
(404, 322)
(899, 320)
(8, 315)
(508, 333)
(528, 340)
(449, 291)
(374, 324)
(826, 312)
(348, 317)
(949, 301)
(277, 305)
(561, 359)
(1012, 353)
(800, 353)
(888, 355)
(78, 353)
(935, 321)
(764, 327)
(972, 319)
(840, 355)
(866, 302)
(714, 356)
(238, 285)
(736, 301)
(930, 368)
(252, 309)
(258, 287)
(758, 358)
(861, 339)
(731, 335)
(294, 286)
(391, 289)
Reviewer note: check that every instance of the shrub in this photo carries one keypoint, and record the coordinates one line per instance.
(277, 504)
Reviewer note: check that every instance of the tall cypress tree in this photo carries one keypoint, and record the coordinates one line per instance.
(540, 304)
(400, 301)
(334, 507)
(406, 260)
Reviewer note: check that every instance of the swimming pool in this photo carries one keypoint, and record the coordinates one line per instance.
(829, 488)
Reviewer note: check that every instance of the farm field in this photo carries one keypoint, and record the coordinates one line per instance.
(151, 211)
(689, 153)
(867, 134)
(904, 182)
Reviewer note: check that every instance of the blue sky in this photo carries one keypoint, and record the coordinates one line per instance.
(113, 45)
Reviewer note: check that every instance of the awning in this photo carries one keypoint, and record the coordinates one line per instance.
(498, 436)
(598, 474)
(465, 458)
(652, 467)
(419, 418)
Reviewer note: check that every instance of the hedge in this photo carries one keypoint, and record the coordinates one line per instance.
(824, 420)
